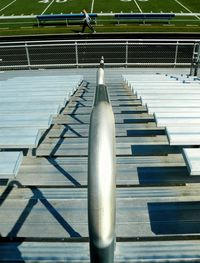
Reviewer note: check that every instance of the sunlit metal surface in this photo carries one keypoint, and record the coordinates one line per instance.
(101, 175)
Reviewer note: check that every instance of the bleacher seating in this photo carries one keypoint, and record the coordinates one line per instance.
(175, 103)
(44, 212)
(27, 107)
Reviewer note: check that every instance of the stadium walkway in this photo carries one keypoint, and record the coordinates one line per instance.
(43, 213)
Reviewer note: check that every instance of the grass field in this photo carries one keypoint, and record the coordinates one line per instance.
(28, 7)
(37, 7)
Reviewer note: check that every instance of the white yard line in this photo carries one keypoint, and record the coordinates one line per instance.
(186, 8)
(92, 7)
(138, 6)
(47, 7)
(7, 5)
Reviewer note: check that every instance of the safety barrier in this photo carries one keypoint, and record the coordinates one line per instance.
(101, 175)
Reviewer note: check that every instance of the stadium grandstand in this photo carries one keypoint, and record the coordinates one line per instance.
(99, 136)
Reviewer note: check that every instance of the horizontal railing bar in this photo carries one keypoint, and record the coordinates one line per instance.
(98, 44)
(94, 64)
(103, 40)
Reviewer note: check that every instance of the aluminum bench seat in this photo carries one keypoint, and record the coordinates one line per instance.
(175, 121)
(22, 94)
(47, 78)
(9, 164)
(26, 105)
(43, 122)
(177, 115)
(172, 96)
(152, 110)
(23, 108)
(158, 81)
(59, 100)
(173, 92)
(192, 160)
(162, 85)
(183, 135)
(172, 103)
(151, 89)
(38, 86)
(20, 138)
(144, 76)
(132, 77)
(34, 98)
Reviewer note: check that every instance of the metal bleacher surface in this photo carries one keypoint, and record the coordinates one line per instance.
(43, 204)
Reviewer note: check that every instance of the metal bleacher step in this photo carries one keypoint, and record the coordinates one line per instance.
(129, 251)
(122, 129)
(125, 109)
(70, 171)
(62, 213)
(119, 118)
(65, 147)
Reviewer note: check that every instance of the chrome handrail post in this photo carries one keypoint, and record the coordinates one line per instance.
(101, 176)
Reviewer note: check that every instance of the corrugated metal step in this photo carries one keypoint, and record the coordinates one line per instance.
(62, 213)
(114, 103)
(133, 252)
(79, 146)
(70, 171)
(87, 110)
(127, 129)
(119, 118)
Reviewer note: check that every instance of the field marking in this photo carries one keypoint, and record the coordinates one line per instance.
(25, 27)
(138, 6)
(186, 8)
(8, 5)
(92, 7)
(47, 7)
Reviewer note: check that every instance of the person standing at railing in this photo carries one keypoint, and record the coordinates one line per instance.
(87, 22)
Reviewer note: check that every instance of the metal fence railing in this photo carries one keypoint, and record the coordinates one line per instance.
(102, 175)
(80, 53)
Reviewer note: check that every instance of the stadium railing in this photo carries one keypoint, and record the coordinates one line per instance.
(102, 175)
(85, 53)
(143, 17)
(64, 17)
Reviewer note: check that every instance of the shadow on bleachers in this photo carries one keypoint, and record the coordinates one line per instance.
(174, 218)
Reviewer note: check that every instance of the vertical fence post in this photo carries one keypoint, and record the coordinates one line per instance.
(197, 64)
(76, 53)
(176, 54)
(27, 56)
(195, 59)
(126, 53)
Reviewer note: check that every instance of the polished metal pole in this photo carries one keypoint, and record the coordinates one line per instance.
(101, 176)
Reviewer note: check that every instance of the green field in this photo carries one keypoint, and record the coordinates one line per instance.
(28, 7)
(187, 23)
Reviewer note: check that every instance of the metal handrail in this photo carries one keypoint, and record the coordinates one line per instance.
(101, 175)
